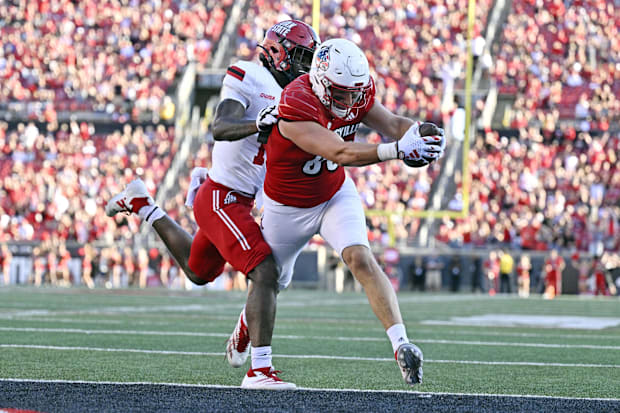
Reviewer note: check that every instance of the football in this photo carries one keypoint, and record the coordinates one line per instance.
(426, 129)
(429, 129)
(416, 164)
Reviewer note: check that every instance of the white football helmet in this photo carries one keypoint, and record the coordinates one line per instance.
(340, 76)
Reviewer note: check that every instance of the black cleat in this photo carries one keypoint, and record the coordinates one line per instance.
(409, 358)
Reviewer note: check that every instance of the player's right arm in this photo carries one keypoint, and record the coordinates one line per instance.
(229, 123)
(238, 89)
(318, 140)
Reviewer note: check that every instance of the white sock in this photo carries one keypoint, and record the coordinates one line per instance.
(151, 213)
(397, 335)
(261, 357)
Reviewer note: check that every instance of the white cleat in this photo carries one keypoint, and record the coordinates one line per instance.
(265, 378)
(130, 200)
(410, 359)
(238, 345)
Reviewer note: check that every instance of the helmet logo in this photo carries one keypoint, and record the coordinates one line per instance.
(283, 28)
(322, 58)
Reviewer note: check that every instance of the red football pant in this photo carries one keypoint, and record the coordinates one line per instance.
(227, 232)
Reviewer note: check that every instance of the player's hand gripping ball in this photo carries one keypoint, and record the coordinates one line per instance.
(430, 145)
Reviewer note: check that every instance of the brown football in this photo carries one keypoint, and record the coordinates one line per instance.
(426, 129)
(429, 129)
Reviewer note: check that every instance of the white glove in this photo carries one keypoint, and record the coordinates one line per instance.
(266, 118)
(418, 150)
(198, 176)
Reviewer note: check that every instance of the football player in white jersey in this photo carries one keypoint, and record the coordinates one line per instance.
(223, 202)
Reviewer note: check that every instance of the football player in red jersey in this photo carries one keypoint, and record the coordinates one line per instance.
(224, 200)
(307, 191)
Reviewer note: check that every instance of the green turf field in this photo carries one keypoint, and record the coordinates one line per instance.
(322, 340)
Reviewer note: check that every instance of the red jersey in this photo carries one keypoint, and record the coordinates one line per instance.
(298, 178)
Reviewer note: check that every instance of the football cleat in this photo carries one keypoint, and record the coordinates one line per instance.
(238, 345)
(265, 378)
(409, 358)
(130, 200)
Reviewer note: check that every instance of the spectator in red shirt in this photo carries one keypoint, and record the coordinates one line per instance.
(63, 265)
(87, 252)
(553, 267)
(5, 263)
(523, 276)
(491, 266)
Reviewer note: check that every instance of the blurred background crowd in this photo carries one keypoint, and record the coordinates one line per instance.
(86, 102)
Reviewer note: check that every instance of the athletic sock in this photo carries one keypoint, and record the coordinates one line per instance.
(261, 357)
(397, 335)
(151, 213)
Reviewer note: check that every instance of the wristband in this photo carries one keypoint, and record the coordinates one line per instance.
(387, 151)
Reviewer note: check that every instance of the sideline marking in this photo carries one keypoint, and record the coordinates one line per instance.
(316, 389)
(307, 356)
(298, 337)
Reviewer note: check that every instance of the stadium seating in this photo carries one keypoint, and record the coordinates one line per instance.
(55, 182)
(552, 54)
(538, 195)
(103, 56)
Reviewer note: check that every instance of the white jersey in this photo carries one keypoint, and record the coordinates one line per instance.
(240, 164)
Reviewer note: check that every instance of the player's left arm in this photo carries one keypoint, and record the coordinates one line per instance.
(385, 122)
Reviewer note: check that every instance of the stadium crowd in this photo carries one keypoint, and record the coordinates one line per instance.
(414, 47)
(553, 184)
(560, 59)
(56, 179)
(106, 56)
(538, 194)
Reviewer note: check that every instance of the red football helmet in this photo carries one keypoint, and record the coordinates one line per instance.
(288, 48)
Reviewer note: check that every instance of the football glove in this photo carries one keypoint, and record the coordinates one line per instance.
(266, 118)
(418, 151)
(198, 176)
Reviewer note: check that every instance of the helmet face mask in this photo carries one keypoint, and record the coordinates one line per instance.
(288, 49)
(345, 99)
(340, 77)
(300, 58)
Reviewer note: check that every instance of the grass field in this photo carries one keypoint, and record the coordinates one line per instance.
(322, 340)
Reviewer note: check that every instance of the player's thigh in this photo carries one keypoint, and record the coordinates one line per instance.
(287, 230)
(230, 226)
(344, 222)
(204, 258)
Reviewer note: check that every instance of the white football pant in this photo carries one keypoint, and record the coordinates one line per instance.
(340, 221)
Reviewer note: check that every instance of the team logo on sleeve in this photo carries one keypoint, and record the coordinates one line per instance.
(322, 58)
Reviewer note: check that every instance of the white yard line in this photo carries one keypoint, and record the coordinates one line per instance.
(299, 337)
(289, 323)
(125, 310)
(286, 301)
(119, 332)
(314, 389)
(302, 356)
